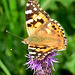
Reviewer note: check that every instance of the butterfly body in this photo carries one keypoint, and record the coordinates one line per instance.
(45, 34)
(41, 40)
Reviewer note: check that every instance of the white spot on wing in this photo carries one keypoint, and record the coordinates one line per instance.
(33, 5)
(39, 54)
(33, 48)
(55, 21)
(35, 9)
(31, 20)
(32, 52)
(27, 4)
(52, 19)
(28, 12)
(58, 24)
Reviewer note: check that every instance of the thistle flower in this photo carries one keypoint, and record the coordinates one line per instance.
(42, 67)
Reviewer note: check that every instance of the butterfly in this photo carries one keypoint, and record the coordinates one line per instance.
(45, 34)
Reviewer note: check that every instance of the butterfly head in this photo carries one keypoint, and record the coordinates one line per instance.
(25, 41)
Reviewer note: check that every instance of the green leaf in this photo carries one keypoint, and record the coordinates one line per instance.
(13, 9)
(70, 64)
(45, 4)
(4, 68)
(66, 3)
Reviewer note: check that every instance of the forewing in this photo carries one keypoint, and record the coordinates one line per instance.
(35, 17)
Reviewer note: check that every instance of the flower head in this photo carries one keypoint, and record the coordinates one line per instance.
(42, 67)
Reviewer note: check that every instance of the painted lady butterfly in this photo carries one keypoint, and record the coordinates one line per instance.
(45, 34)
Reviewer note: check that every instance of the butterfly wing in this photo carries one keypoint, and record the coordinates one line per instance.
(51, 37)
(35, 17)
(54, 34)
(38, 52)
(40, 25)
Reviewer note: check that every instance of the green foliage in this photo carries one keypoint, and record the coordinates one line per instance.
(4, 68)
(12, 18)
(70, 64)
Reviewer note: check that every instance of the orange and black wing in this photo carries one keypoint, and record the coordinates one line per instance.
(35, 17)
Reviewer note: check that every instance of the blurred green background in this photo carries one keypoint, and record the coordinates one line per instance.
(12, 18)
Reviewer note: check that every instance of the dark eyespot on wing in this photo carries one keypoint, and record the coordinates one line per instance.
(29, 25)
(53, 26)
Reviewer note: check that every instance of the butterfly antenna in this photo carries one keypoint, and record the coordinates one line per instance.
(15, 47)
(14, 34)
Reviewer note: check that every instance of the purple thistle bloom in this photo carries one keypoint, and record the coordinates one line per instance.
(42, 67)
